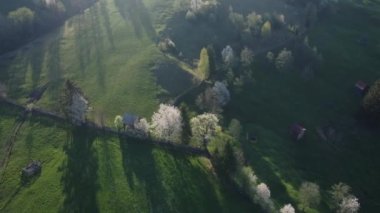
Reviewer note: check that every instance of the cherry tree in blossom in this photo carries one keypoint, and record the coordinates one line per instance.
(167, 123)
(204, 127)
(288, 208)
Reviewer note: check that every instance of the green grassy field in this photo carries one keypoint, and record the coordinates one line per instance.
(88, 173)
(275, 101)
(109, 50)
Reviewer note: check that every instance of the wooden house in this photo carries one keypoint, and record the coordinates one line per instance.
(297, 131)
(361, 88)
(31, 169)
(129, 120)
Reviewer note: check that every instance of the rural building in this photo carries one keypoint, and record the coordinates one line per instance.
(31, 169)
(361, 87)
(251, 137)
(298, 131)
(129, 120)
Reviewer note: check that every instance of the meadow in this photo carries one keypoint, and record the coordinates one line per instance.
(110, 52)
(275, 101)
(88, 172)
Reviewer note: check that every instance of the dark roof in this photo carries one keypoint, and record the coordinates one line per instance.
(361, 85)
(129, 119)
(32, 168)
(298, 131)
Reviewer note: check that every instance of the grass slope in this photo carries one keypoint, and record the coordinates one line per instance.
(108, 50)
(87, 173)
(276, 100)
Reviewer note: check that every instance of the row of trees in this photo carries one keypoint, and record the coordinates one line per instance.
(341, 199)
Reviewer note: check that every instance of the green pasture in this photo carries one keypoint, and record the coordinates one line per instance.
(86, 172)
(109, 51)
(275, 101)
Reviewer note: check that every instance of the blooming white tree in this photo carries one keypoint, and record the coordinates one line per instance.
(204, 127)
(78, 108)
(118, 122)
(263, 198)
(221, 92)
(263, 192)
(288, 208)
(349, 204)
(214, 98)
(201, 6)
(142, 126)
(75, 104)
(167, 123)
(246, 56)
(284, 60)
(228, 55)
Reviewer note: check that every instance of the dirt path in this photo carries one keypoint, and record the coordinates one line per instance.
(12, 140)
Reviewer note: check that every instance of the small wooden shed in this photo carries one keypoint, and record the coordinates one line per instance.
(31, 169)
(361, 87)
(297, 131)
(129, 120)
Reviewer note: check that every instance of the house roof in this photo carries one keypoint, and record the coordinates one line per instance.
(129, 119)
(32, 168)
(298, 130)
(361, 85)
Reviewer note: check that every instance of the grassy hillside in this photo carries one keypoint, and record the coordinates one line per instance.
(88, 173)
(275, 101)
(109, 50)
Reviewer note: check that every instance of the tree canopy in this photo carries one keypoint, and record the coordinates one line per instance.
(371, 101)
(204, 64)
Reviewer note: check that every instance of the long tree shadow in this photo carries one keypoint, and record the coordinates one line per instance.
(139, 163)
(82, 41)
(97, 35)
(136, 12)
(37, 56)
(269, 173)
(107, 22)
(79, 178)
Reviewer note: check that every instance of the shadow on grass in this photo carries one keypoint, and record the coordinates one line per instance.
(173, 183)
(98, 45)
(79, 178)
(139, 16)
(37, 56)
(139, 163)
(107, 22)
